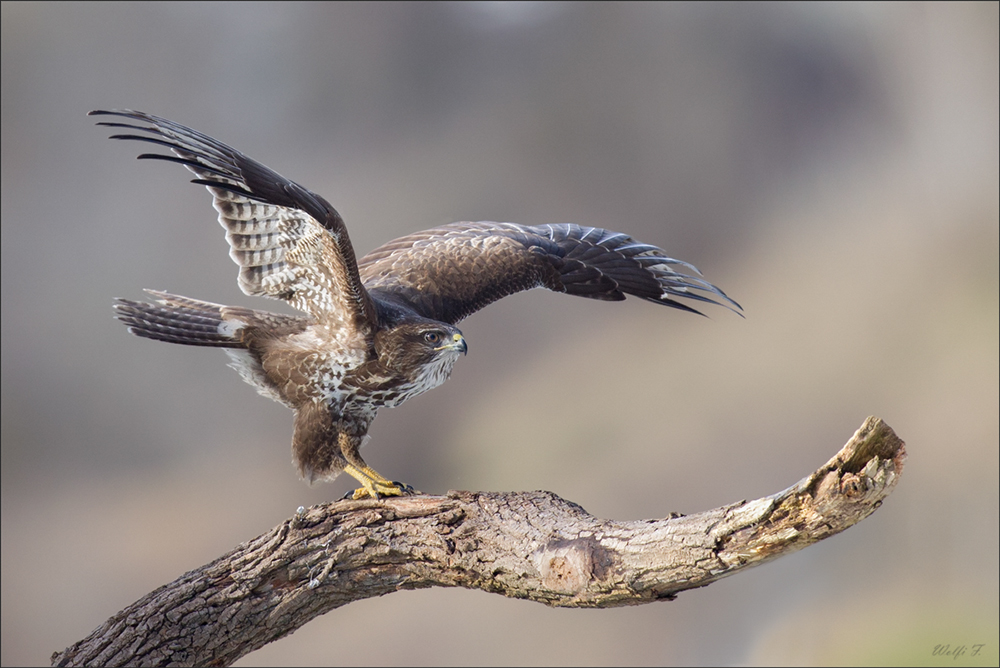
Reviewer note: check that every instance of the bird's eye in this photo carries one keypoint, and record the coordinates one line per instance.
(432, 337)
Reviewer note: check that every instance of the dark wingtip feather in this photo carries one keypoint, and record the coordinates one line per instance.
(124, 113)
(678, 305)
(688, 294)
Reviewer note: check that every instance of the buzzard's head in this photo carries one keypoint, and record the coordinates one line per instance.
(423, 351)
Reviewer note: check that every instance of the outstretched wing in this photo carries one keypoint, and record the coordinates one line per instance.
(290, 243)
(452, 271)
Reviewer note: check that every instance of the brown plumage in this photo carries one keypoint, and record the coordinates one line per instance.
(376, 331)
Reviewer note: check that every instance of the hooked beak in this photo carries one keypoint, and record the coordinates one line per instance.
(457, 343)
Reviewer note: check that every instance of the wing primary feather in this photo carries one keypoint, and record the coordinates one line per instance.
(208, 183)
(152, 140)
(182, 161)
(678, 305)
(109, 124)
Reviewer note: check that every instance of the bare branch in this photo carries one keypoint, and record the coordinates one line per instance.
(533, 545)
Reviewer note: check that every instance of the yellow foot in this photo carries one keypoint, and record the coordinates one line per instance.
(373, 485)
(379, 490)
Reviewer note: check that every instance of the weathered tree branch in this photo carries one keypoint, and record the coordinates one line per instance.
(523, 545)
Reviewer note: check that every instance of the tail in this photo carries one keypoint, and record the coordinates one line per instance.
(178, 319)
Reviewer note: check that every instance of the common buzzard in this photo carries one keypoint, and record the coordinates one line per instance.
(378, 331)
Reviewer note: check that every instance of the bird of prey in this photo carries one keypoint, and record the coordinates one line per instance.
(378, 331)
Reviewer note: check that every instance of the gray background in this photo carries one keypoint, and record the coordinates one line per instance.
(833, 167)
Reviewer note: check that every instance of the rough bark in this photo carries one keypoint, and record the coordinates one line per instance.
(533, 545)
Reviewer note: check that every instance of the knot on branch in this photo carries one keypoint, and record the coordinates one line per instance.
(570, 566)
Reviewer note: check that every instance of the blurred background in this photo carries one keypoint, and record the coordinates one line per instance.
(833, 167)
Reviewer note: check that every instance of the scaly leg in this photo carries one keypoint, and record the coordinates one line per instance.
(373, 484)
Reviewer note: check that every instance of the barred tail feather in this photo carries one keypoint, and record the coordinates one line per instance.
(178, 319)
